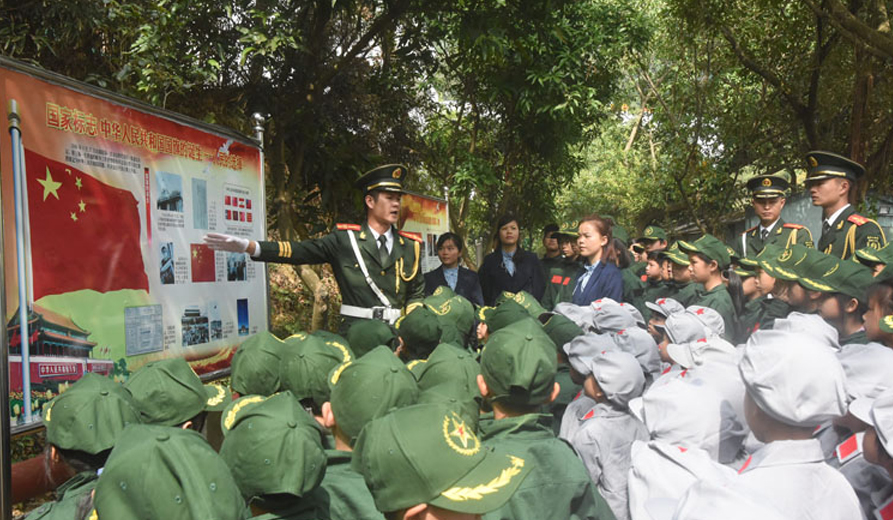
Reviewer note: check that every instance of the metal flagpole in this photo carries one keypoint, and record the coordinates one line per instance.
(259, 121)
(5, 434)
(18, 167)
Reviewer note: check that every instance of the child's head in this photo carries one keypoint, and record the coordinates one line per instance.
(880, 305)
(708, 257)
(583, 348)
(843, 289)
(660, 309)
(614, 377)
(518, 368)
(652, 268)
(793, 383)
(306, 367)
(256, 365)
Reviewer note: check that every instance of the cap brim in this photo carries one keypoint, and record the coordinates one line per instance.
(219, 397)
(656, 308)
(637, 408)
(680, 355)
(813, 285)
(487, 486)
(860, 408)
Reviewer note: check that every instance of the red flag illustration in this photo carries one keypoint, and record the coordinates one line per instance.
(85, 234)
(203, 266)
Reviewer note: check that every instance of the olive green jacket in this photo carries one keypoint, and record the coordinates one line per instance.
(684, 293)
(761, 313)
(785, 235)
(850, 232)
(558, 486)
(68, 495)
(399, 278)
(560, 284)
(857, 338)
(343, 494)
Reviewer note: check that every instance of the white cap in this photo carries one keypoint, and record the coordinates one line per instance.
(579, 314)
(618, 374)
(610, 316)
(637, 314)
(882, 419)
(665, 306)
(693, 324)
(868, 369)
(582, 349)
(793, 378)
(689, 415)
(640, 344)
(811, 325)
(708, 500)
(704, 350)
(711, 319)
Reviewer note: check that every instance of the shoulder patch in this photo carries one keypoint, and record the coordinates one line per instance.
(412, 236)
(858, 219)
(751, 229)
(348, 227)
(849, 448)
(792, 226)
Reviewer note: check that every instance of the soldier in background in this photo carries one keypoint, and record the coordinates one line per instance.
(768, 194)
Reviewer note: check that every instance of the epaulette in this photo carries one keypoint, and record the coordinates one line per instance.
(792, 226)
(348, 227)
(751, 229)
(858, 219)
(412, 236)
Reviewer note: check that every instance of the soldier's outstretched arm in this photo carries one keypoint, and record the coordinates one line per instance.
(313, 251)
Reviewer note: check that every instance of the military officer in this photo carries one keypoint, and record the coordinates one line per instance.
(768, 199)
(376, 265)
(830, 180)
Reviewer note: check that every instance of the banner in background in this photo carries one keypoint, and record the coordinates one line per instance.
(428, 216)
(118, 199)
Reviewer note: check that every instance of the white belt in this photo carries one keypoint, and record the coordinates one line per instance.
(387, 314)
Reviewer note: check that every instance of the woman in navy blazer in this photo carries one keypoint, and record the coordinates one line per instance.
(510, 268)
(463, 281)
(600, 276)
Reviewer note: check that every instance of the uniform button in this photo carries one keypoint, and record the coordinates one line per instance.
(383, 273)
(292, 424)
(162, 437)
(394, 369)
(103, 392)
(529, 337)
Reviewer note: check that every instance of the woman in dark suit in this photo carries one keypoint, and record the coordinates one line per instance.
(600, 276)
(510, 268)
(461, 280)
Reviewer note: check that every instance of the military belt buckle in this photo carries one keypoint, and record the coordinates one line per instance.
(378, 313)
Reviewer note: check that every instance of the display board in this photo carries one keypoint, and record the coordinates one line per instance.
(118, 197)
(428, 216)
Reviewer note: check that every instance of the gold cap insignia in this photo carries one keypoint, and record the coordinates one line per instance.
(812, 161)
(397, 173)
(455, 432)
(767, 182)
(648, 230)
(888, 320)
(786, 255)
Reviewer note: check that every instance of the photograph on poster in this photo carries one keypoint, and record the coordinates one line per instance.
(199, 204)
(166, 270)
(242, 311)
(235, 267)
(170, 192)
(214, 319)
(195, 326)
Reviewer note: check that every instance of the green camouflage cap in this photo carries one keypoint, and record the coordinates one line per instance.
(427, 454)
(365, 335)
(653, 233)
(256, 365)
(561, 330)
(89, 416)
(308, 361)
(709, 246)
(162, 472)
(420, 331)
(168, 392)
(519, 364)
(389, 177)
(530, 304)
(844, 277)
(452, 369)
(503, 315)
(369, 388)
(272, 446)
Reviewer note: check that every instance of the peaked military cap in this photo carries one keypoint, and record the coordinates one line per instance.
(386, 178)
(768, 186)
(827, 165)
(653, 233)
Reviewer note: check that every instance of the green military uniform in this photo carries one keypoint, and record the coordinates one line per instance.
(559, 486)
(857, 338)
(720, 300)
(343, 494)
(849, 231)
(68, 497)
(560, 284)
(396, 273)
(561, 331)
(783, 234)
(759, 314)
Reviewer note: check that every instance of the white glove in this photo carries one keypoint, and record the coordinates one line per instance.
(221, 242)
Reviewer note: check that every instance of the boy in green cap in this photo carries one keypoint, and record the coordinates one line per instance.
(256, 364)
(518, 367)
(162, 472)
(82, 426)
(678, 285)
(449, 376)
(418, 334)
(306, 367)
(272, 447)
(844, 288)
(423, 462)
(709, 257)
(169, 393)
(361, 391)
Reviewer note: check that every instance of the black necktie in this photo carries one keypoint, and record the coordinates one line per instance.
(383, 253)
(826, 228)
(763, 234)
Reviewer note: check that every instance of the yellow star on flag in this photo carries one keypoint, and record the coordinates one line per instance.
(74, 217)
(50, 187)
(82, 206)
(195, 253)
(78, 183)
